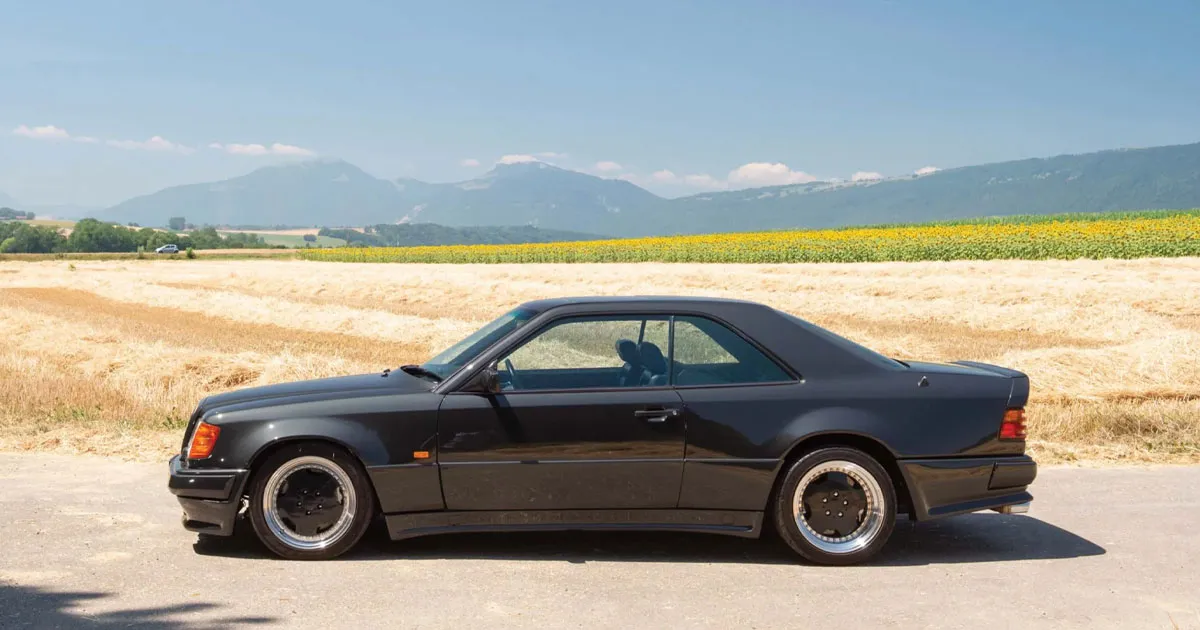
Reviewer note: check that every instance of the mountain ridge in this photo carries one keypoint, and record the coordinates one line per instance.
(337, 193)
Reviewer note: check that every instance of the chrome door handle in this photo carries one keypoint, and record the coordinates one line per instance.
(656, 415)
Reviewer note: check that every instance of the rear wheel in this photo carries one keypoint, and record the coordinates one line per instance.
(310, 501)
(835, 506)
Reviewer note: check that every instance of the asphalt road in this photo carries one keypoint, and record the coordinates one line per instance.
(92, 542)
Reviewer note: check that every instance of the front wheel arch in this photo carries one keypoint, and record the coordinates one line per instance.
(271, 448)
(337, 457)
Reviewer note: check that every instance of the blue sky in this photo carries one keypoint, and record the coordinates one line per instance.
(104, 100)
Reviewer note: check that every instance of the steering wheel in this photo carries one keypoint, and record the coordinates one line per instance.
(512, 374)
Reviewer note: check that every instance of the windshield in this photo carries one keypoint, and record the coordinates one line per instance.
(459, 354)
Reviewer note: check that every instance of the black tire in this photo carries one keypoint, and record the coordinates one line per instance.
(348, 535)
(874, 534)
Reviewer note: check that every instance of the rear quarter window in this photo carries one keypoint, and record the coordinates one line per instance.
(709, 353)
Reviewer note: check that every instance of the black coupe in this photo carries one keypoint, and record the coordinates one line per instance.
(683, 414)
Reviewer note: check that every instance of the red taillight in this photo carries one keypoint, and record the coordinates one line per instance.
(1013, 425)
(203, 440)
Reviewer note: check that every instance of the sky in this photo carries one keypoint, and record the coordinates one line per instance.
(108, 99)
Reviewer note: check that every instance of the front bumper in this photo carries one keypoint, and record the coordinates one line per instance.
(209, 497)
(944, 487)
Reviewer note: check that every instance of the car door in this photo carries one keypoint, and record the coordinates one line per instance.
(582, 423)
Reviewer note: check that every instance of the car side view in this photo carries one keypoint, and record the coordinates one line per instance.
(635, 413)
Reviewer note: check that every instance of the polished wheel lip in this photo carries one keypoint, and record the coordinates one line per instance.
(285, 534)
(872, 522)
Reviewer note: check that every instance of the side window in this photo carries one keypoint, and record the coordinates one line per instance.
(708, 353)
(591, 352)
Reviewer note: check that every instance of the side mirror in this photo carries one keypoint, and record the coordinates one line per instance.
(485, 381)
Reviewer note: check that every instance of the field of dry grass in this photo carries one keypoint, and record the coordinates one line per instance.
(111, 356)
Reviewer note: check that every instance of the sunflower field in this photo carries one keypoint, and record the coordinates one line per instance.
(1115, 235)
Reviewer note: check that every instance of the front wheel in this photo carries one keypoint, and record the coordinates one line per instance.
(310, 501)
(835, 506)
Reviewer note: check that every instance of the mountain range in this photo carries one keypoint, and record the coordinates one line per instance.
(337, 193)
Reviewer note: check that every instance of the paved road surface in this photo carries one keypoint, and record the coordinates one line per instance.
(96, 543)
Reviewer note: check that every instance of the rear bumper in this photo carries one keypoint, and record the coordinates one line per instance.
(944, 487)
(209, 497)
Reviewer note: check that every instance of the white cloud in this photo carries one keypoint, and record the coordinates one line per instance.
(768, 174)
(289, 149)
(469, 163)
(45, 132)
(517, 158)
(246, 149)
(865, 176)
(255, 149)
(161, 144)
(701, 180)
(155, 143)
(705, 180)
(607, 166)
(928, 170)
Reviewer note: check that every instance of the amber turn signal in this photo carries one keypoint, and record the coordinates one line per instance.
(1013, 425)
(203, 440)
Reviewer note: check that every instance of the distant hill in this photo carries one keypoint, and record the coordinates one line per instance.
(9, 202)
(532, 193)
(414, 234)
(319, 192)
(543, 196)
(1162, 177)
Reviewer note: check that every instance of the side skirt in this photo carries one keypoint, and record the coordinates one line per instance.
(743, 524)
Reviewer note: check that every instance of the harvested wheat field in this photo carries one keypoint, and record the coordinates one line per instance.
(112, 356)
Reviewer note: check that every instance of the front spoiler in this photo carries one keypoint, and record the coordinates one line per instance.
(209, 497)
(944, 487)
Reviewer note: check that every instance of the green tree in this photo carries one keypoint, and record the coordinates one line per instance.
(177, 224)
(22, 238)
(90, 235)
(206, 238)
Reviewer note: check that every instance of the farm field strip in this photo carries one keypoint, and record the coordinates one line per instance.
(107, 351)
(1131, 236)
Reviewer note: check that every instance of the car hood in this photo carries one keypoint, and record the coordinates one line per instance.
(392, 383)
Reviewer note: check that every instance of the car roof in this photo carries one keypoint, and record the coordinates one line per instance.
(638, 300)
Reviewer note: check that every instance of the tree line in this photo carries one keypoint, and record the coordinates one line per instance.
(9, 213)
(90, 235)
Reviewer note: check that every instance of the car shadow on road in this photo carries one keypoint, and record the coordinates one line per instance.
(968, 538)
(982, 538)
(32, 607)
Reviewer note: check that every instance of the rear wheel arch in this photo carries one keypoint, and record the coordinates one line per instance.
(876, 449)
